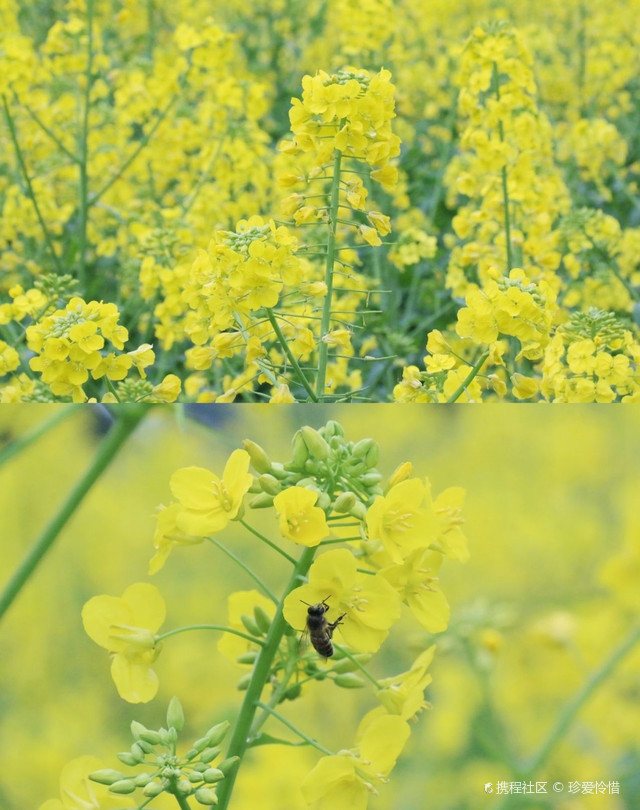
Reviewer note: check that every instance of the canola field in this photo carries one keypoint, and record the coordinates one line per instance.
(319, 201)
(481, 572)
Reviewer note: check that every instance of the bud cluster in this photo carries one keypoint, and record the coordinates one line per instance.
(192, 774)
(343, 473)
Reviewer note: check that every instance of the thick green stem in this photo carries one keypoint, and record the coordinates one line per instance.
(505, 185)
(469, 378)
(107, 451)
(27, 179)
(219, 627)
(84, 152)
(183, 802)
(323, 350)
(259, 677)
(22, 442)
(278, 692)
(290, 356)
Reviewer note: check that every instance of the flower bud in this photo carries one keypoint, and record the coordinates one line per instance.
(361, 448)
(316, 444)
(250, 625)
(123, 786)
(401, 473)
(243, 683)
(300, 452)
(206, 796)
(138, 752)
(333, 428)
(324, 501)
(259, 459)
(209, 754)
(269, 484)
(359, 511)
(344, 502)
(370, 479)
(142, 779)
(373, 456)
(217, 733)
(349, 680)
(262, 619)
(227, 764)
(137, 729)
(150, 737)
(293, 692)
(213, 775)
(106, 776)
(278, 470)
(175, 714)
(127, 758)
(154, 789)
(262, 501)
(195, 777)
(247, 658)
(183, 786)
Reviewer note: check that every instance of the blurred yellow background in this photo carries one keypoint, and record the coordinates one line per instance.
(552, 496)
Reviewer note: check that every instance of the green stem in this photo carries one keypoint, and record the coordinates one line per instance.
(30, 192)
(295, 730)
(505, 187)
(182, 800)
(279, 691)
(47, 131)
(266, 540)
(107, 451)
(22, 442)
(240, 736)
(290, 356)
(246, 569)
(84, 153)
(469, 378)
(573, 708)
(219, 627)
(360, 666)
(323, 350)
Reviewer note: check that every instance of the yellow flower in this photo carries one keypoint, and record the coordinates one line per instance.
(416, 580)
(208, 502)
(242, 603)
(77, 792)
(126, 627)
(167, 535)
(344, 781)
(300, 520)
(371, 605)
(399, 521)
(404, 694)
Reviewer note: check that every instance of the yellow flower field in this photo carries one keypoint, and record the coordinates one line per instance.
(321, 201)
(478, 570)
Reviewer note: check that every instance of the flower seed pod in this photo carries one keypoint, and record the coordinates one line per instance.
(349, 680)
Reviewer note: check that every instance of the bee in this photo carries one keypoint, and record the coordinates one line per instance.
(319, 629)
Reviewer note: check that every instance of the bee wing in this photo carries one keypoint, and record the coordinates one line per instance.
(303, 641)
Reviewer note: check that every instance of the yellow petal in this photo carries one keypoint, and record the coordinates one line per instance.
(135, 681)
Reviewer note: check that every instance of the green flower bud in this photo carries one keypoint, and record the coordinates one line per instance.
(250, 625)
(247, 658)
(209, 754)
(201, 767)
(316, 444)
(371, 479)
(213, 775)
(261, 501)
(183, 786)
(145, 746)
(175, 714)
(206, 796)
(227, 764)
(359, 511)
(150, 737)
(137, 729)
(123, 786)
(259, 459)
(243, 683)
(333, 428)
(262, 619)
(172, 735)
(300, 452)
(361, 448)
(127, 758)
(195, 776)
(344, 502)
(255, 487)
(201, 744)
(107, 776)
(269, 484)
(347, 665)
(137, 751)
(324, 501)
(217, 733)
(373, 456)
(312, 466)
(154, 788)
(278, 471)
(142, 779)
(349, 680)
(293, 692)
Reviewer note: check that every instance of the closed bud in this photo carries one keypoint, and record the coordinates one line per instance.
(344, 502)
(137, 729)
(259, 459)
(324, 501)
(123, 786)
(370, 479)
(247, 658)
(373, 456)
(243, 683)
(250, 625)
(293, 692)
(262, 501)
(401, 473)
(361, 448)
(150, 737)
(227, 765)
(154, 789)
(183, 786)
(195, 777)
(300, 451)
(138, 752)
(269, 484)
(144, 745)
(278, 470)
(349, 680)
(213, 775)
(206, 796)
(217, 733)
(316, 444)
(262, 619)
(201, 744)
(359, 511)
(142, 779)
(209, 754)
(333, 428)
(175, 714)
(127, 758)
(107, 776)
(255, 487)
(172, 735)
